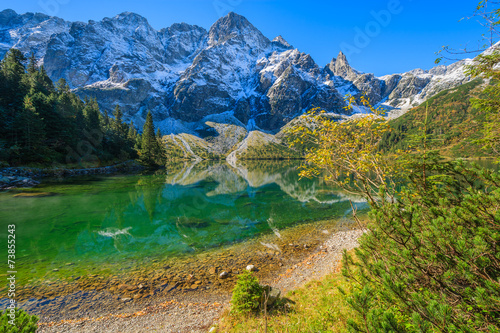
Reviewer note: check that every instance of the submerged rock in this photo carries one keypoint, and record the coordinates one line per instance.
(34, 194)
(192, 222)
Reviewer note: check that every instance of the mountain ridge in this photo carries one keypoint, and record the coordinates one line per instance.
(184, 73)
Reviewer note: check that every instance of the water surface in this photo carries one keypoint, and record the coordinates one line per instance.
(92, 222)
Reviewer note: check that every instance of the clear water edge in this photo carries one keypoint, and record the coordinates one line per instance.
(118, 224)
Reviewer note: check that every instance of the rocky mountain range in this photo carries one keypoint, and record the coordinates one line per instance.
(186, 76)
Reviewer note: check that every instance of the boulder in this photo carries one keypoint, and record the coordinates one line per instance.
(274, 295)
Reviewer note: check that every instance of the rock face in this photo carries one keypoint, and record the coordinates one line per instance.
(396, 92)
(184, 73)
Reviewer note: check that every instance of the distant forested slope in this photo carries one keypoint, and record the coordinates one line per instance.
(453, 125)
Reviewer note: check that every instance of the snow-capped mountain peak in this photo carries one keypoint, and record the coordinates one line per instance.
(279, 40)
(184, 74)
(236, 28)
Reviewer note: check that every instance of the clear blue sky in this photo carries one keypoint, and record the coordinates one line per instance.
(406, 39)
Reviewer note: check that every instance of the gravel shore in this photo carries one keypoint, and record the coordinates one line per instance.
(190, 315)
(320, 263)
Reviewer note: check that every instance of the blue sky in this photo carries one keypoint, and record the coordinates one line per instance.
(378, 36)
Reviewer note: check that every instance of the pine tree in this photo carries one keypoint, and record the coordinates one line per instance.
(149, 142)
(117, 125)
(105, 122)
(23, 322)
(32, 66)
(91, 113)
(33, 131)
(132, 132)
(80, 122)
(41, 122)
(39, 81)
(161, 153)
(62, 86)
(13, 86)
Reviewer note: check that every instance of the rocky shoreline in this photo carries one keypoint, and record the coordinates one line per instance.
(193, 304)
(14, 177)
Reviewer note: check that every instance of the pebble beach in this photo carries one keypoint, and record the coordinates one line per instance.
(196, 308)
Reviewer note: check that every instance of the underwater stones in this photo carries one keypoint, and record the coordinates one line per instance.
(8, 182)
(192, 222)
(171, 287)
(212, 270)
(126, 287)
(34, 194)
(223, 275)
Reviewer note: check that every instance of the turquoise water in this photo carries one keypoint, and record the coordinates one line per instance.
(185, 209)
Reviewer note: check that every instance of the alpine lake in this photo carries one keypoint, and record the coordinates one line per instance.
(102, 243)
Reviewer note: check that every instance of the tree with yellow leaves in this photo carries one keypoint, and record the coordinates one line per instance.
(347, 150)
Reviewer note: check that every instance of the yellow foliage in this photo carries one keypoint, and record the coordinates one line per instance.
(348, 149)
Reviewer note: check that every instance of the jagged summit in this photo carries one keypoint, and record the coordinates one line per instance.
(282, 42)
(6, 16)
(8, 13)
(234, 26)
(9, 17)
(183, 26)
(128, 18)
(340, 67)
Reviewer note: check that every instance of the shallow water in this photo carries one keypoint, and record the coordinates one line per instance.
(92, 223)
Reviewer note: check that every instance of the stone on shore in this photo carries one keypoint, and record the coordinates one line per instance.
(251, 268)
(273, 295)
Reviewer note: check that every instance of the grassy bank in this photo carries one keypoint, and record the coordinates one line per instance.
(319, 306)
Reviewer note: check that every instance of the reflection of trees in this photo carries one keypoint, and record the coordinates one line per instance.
(235, 177)
(227, 180)
(150, 188)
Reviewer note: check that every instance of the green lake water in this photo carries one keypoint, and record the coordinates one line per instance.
(98, 221)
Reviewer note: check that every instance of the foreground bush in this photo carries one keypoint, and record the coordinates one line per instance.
(23, 322)
(431, 262)
(247, 294)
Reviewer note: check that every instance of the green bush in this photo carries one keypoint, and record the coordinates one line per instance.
(430, 262)
(23, 322)
(247, 294)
